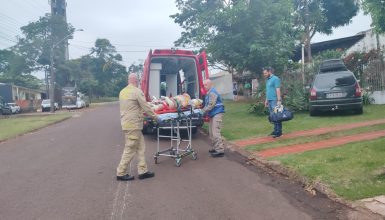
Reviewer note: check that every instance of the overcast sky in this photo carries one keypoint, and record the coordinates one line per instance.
(133, 26)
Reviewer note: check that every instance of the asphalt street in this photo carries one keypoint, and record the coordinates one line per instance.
(68, 171)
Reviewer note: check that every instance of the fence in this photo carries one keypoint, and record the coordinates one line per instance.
(373, 75)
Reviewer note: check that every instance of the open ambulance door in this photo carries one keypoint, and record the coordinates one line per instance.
(203, 72)
(146, 76)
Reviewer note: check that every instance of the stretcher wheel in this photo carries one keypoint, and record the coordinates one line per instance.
(178, 162)
(156, 159)
(194, 156)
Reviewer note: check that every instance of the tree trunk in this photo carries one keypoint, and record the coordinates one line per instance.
(307, 32)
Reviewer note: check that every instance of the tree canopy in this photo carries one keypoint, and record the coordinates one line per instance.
(248, 34)
(321, 16)
(376, 9)
(240, 34)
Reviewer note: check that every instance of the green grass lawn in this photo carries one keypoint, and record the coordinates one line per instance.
(354, 171)
(14, 126)
(239, 124)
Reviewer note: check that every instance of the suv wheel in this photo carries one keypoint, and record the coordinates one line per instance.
(359, 111)
(313, 112)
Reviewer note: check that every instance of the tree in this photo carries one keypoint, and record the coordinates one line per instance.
(108, 76)
(39, 37)
(321, 16)
(13, 70)
(376, 9)
(33, 50)
(240, 34)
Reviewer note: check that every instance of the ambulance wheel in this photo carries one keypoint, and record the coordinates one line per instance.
(178, 162)
(194, 156)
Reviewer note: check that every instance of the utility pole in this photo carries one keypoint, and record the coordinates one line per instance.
(58, 8)
(52, 69)
(52, 82)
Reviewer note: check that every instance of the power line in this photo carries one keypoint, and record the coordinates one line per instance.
(12, 20)
(8, 39)
(26, 9)
(123, 44)
(7, 35)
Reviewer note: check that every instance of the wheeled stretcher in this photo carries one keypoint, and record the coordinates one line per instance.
(174, 124)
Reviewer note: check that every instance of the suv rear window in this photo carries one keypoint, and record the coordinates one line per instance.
(334, 79)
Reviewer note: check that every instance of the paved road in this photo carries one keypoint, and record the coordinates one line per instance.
(67, 171)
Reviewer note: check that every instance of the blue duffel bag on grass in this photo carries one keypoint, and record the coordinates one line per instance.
(280, 113)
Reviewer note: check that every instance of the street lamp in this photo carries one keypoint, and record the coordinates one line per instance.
(52, 70)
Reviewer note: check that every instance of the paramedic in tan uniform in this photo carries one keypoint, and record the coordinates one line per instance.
(132, 106)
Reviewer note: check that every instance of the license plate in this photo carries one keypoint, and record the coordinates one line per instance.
(335, 95)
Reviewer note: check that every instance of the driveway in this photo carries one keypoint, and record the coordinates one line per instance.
(67, 171)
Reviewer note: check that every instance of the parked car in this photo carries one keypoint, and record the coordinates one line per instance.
(46, 105)
(335, 88)
(80, 103)
(15, 109)
(5, 109)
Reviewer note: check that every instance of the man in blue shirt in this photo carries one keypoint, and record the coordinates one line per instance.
(273, 97)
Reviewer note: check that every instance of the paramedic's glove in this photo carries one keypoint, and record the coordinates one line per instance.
(155, 119)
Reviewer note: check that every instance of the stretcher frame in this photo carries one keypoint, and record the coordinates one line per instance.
(175, 150)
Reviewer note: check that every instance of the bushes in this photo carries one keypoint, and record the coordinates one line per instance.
(259, 106)
(296, 97)
(366, 98)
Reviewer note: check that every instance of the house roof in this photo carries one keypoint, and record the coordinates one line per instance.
(341, 43)
(23, 88)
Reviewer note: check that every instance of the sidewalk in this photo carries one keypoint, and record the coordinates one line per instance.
(376, 204)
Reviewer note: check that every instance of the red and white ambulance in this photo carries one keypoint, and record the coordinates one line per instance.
(170, 73)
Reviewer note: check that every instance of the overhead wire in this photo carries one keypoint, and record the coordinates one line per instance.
(11, 26)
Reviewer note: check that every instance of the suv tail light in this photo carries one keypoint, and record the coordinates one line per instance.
(313, 94)
(358, 92)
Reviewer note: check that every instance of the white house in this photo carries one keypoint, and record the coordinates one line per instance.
(223, 82)
(367, 43)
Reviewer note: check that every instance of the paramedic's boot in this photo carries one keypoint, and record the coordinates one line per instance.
(217, 154)
(212, 151)
(146, 175)
(126, 177)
